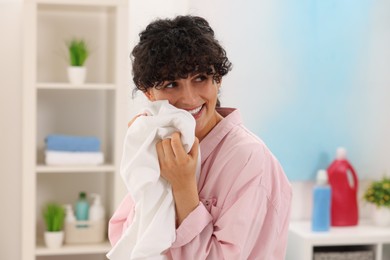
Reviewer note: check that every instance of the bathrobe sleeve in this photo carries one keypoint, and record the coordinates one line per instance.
(251, 222)
(121, 219)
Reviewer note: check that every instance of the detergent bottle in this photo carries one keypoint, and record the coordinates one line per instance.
(344, 184)
(321, 203)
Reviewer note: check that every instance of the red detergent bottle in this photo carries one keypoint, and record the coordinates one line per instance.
(344, 183)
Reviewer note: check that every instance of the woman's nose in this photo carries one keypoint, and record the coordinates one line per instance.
(189, 95)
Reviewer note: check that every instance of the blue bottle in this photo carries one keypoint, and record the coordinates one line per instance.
(321, 203)
(82, 207)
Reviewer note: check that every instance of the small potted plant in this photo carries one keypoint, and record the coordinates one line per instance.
(78, 54)
(54, 217)
(378, 194)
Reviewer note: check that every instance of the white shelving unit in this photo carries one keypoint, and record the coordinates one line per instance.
(53, 106)
(102, 248)
(302, 242)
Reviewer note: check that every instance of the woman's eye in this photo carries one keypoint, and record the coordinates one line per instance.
(170, 85)
(200, 78)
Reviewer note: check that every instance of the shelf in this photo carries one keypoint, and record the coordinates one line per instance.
(65, 169)
(66, 86)
(364, 233)
(303, 243)
(60, 21)
(102, 248)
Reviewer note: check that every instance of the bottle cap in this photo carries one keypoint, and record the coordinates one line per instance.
(322, 177)
(96, 199)
(341, 153)
(82, 195)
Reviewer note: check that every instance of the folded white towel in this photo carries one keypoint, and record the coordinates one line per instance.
(153, 229)
(73, 158)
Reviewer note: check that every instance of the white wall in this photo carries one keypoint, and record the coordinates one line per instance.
(10, 127)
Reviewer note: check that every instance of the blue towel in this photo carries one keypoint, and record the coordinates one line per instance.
(70, 143)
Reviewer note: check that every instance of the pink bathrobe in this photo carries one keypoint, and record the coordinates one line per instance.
(245, 200)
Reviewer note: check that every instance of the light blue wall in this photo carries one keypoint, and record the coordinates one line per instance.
(310, 76)
(327, 38)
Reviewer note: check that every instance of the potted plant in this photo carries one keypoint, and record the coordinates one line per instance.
(78, 54)
(54, 217)
(378, 194)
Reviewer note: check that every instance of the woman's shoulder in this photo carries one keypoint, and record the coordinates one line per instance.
(236, 147)
(260, 162)
(236, 132)
(243, 140)
(244, 144)
(242, 153)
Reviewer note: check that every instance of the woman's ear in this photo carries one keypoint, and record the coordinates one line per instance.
(218, 81)
(149, 94)
(219, 84)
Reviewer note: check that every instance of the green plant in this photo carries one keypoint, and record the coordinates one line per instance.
(54, 216)
(378, 193)
(78, 52)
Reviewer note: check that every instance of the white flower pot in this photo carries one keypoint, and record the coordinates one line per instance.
(54, 239)
(381, 216)
(76, 75)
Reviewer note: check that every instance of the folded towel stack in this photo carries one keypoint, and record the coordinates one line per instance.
(73, 150)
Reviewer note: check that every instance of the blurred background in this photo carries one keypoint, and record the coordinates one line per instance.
(308, 76)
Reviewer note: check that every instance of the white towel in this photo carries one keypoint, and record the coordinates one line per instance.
(73, 158)
(153, 229)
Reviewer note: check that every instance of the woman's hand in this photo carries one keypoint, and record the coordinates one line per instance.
(179, 169)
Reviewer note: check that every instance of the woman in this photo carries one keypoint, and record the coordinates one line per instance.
(239, 208)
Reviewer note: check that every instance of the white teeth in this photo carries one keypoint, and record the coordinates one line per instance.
(196, 110)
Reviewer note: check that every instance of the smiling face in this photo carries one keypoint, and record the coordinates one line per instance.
(197, 94)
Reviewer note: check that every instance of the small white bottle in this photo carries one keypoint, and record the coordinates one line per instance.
(96, 211)
(69, 215)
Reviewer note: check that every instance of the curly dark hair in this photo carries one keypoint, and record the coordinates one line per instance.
(176, 48)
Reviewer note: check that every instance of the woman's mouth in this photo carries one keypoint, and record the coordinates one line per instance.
(196, 111)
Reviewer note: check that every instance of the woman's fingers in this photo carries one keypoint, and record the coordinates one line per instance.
(160, 150)
(177, 146)
(167, 148)
(134, 118)
(195, 149)
(173, 147)
(176, 166)
(164, 150)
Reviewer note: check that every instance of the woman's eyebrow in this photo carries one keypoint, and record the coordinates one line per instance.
(197, 73)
